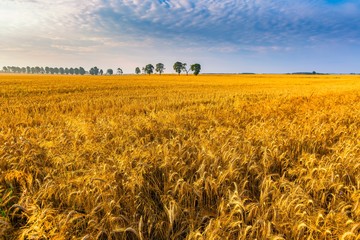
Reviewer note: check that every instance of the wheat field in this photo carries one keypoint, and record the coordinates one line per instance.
(180, 157)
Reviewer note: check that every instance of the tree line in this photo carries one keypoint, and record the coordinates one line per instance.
(178, 67)
(46, 70)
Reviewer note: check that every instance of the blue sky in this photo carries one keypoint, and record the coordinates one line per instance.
(228, 36)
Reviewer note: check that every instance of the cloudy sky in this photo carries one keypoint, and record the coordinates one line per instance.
(231, 36)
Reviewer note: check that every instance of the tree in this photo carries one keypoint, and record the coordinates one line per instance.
(119, 71)
(81, 70)
(196, 68)
(56, 70)
(94, 71)
(178, 67)
(137, 70)
(5, 69)
(185, 69)
(109, 72)
(71, 71)
(159, 68)
(101, 72)
(149, 69)
(76, 71)
(62, 70)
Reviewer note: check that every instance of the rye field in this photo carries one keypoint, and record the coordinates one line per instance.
(180, 157)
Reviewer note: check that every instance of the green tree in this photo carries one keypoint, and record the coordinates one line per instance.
(149, 69)
(94, 71)
(109, 71)
(159, 68)
(76, 71)
(71, 71)
(178, 67)
(119, 71)
(61, 70)
(137, 70)
(185, 69)
(81, 71)
(196, 68)
(101, 72)
(5, 69)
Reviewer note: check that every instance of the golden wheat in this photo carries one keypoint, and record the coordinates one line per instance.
(180, 157)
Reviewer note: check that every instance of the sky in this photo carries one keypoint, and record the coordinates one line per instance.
(227, 36)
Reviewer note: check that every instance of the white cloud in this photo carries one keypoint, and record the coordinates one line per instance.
(147, 27)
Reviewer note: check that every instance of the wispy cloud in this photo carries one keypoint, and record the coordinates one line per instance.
(135, 26)
(242, 22)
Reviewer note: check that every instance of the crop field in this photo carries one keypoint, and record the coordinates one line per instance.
(180, 157)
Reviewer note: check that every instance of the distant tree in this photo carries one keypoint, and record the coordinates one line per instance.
(185, 69)
(28, 69)
(23, 69)
(143, 70)
(313, 72)
(5, 69)
(51, 70)
(71, 71)
(137, 70)
(101, 72)
(47, 70)
(76, 71)
(119, 71)
(109, 71)
(66, 70)
(159, 68)
(196, 68)
(94, 71)
(32, 70)
(81, 71)
(149, 69)
(61, 70)
(178, 67)
(37, 69)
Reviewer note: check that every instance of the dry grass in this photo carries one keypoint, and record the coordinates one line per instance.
(207, 157)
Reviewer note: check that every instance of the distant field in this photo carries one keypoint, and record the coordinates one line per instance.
(180, 157)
